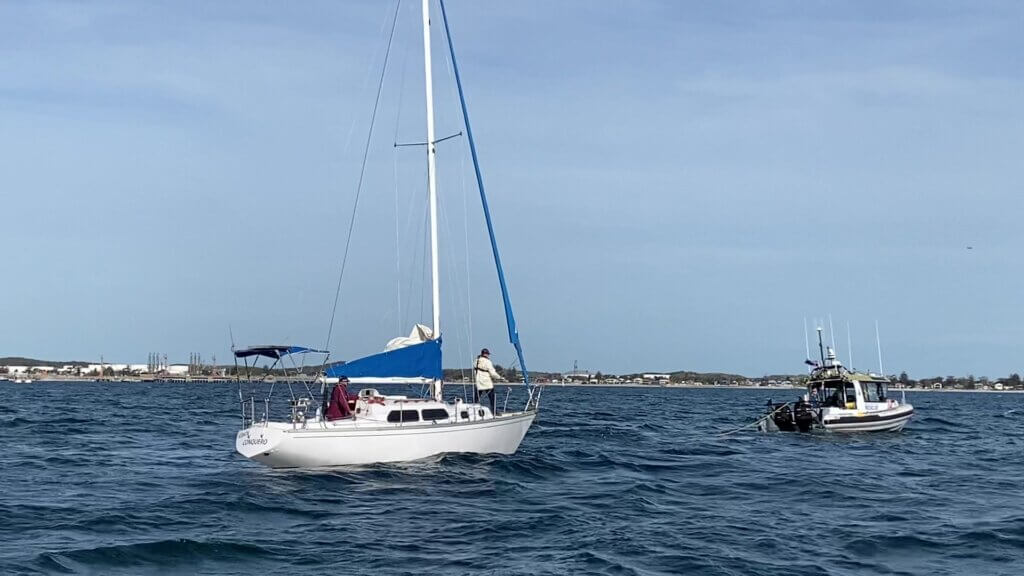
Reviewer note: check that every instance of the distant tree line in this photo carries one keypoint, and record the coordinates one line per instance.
(968, 382)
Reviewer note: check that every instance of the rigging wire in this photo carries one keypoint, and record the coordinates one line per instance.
(362, 88)
(398, 253)
(426, 263)
(513, 333)
(416, 256)
(465, 230)
(463, 339)
(462, 346)
(468, 316)
(362, 172)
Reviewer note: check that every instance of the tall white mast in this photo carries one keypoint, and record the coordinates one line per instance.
(431, 169)
(432, 181)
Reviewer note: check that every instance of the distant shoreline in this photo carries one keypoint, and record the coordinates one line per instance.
(745, 387)
(223, 380)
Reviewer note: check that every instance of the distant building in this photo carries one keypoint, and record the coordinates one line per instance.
(98, 369)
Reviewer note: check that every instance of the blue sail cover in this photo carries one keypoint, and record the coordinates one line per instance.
(417, 361)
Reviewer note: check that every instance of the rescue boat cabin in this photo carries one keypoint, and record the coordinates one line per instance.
(835, 387)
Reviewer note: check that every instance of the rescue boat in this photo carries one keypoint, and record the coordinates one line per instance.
(840, 400)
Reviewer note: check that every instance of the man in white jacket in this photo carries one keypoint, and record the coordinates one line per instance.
(485, 377)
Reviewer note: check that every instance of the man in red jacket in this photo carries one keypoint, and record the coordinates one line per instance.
(338, 408)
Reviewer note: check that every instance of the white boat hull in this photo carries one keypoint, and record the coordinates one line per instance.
(883, 421)
(282, 445)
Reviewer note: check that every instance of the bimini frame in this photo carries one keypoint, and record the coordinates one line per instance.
(279, 354)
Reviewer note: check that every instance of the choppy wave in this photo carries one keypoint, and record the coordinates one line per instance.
(135, 480)
(175, 555)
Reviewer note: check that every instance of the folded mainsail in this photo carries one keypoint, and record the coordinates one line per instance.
(416, 361)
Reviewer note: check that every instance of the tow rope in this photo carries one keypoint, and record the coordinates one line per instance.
(755, 422)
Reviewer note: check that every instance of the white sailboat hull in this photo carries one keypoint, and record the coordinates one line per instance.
(282, 445)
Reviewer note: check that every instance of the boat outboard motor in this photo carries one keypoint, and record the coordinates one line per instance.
(783, 417)
(803, 416)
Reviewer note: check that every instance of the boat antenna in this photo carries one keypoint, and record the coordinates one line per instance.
(807, 345)
(878, 343)
(821, 348)
(832, 331)
(849, 345)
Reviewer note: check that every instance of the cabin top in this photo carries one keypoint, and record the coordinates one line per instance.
(838, 372)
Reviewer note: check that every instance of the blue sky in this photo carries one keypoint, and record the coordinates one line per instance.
(675, 185)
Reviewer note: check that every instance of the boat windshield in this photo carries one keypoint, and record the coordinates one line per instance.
(874, 391)
(830, 393)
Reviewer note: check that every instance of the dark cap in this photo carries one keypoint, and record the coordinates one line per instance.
(485, 352)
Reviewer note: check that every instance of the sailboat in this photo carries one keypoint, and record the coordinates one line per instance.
(373, 427)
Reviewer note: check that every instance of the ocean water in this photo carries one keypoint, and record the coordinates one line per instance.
(143, 479)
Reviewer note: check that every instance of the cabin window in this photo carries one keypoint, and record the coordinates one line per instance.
(832, 394)
(435, 414)
(403, 416)
(873, 391)
(851, 395)
(465, 415)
